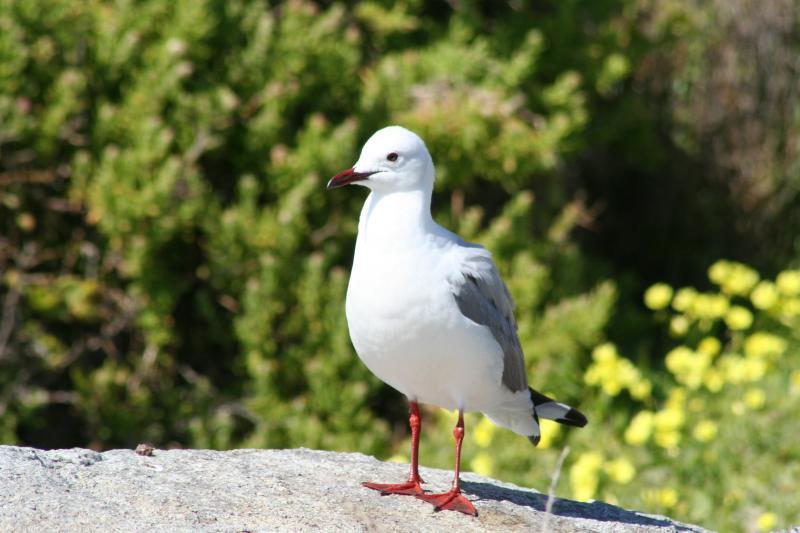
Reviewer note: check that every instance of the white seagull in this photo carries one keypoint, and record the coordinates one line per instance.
(428, 312)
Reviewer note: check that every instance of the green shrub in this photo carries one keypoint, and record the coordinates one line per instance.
(176, 270)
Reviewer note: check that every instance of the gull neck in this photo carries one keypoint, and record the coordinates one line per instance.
(394, 218)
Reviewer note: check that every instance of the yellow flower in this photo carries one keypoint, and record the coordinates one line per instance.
(709, 306)
(593, 375)
(713, 380)
(483, 464)
(739, 318)
(626, 372)
(737, 369)
(765, 295)
(710, 346)
(591, 460)
(667, 422)
(705, 430)
(719, 271)
(482, 434)
(755, 398)
(679, 325)
(668, 497)
(684, 299)
(764, 345)
(741, 279)
(611, 386)
(668, 419)
(734, 278)
(641, 389)
(687, 366)
(667, 439)
(791, 307)
(676, 398)
(640, 428)
(610, 371)
(767, 521)
(604, 353)
(549, 430)
(677, 358)
(583, 475)
(788, 282)
(658, 296)
(620, 470)
(754, 369)
(718, 305)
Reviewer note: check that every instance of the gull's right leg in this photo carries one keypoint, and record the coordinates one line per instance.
(412, 486)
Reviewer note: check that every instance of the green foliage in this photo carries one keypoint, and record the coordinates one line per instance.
(171, 269)
(189, 287)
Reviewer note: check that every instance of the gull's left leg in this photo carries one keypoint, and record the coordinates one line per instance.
(412, 486)
(453, 500)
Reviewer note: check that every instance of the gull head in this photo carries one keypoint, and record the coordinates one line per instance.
(393, 159)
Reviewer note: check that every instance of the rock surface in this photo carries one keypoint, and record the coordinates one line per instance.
(267, 490)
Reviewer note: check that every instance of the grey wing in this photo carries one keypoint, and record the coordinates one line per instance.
(483, 298)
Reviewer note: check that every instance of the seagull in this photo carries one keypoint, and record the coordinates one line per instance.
(428, 312)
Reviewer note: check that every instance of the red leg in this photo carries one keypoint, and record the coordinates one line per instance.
(453, 500)
(412, 486)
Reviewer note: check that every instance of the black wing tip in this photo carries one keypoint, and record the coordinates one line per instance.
(535, 439)
(573, 418)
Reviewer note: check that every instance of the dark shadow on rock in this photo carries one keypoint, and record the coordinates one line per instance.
(568, 508)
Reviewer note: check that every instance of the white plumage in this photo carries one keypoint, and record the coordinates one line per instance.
(404, 320)
(428, 312)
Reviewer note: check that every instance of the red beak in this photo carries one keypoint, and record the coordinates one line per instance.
(347, 177)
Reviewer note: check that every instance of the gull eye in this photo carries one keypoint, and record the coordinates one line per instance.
(392, 157)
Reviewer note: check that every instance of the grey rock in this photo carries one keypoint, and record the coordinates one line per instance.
(268, 490)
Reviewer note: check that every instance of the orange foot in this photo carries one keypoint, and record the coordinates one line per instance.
(450, 501)
(411, 488)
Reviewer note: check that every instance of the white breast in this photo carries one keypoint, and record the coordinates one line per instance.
(407, 329)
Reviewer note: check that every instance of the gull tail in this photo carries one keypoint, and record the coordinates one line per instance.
(546, 407)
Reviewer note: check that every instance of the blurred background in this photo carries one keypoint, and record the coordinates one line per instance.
(173, 271)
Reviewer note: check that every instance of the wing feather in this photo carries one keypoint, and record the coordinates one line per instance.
(483, 297)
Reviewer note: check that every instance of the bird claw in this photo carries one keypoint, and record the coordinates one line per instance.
(410, 488)
(450, 501)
